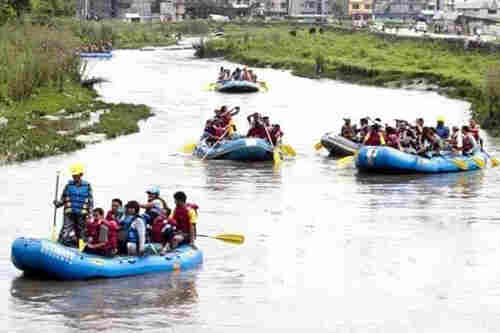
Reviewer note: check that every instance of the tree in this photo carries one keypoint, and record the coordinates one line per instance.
(6, 12)
(20, 6)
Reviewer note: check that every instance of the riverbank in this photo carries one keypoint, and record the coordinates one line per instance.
(45, 107)
(369, 59)
(53, 123)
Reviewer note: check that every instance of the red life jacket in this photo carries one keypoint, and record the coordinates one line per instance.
(475, 132)
(257, 132)
(466, 143)
(93, 231)
(181, 217)
(157, 226)
(374, 139)
(276, 133)
(393, 141)
(454, 140)
(112, 234)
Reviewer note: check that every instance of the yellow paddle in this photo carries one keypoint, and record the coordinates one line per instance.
(345, 161)
(54, 233)
(209, 87)
(81, 245)
(232, 238)
(318, 146)
(264, 86)
(276, 151)
(287, 149)
(188, 148)
(479, 161)
(460, 163)
(494, 162)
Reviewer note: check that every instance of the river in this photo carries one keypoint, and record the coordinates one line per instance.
(327, 249)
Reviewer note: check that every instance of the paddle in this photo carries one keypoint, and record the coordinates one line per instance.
(345, 161)
(188, 148)
(209, 87)
(215, 144)
(287, 149)
(232, 238)
(276, 153)
(460, 163)
(264, 86)
(54, 235)
(479, 161)
(318, 146)
(494, 161)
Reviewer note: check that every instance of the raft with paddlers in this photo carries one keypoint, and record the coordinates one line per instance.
(338, 145)
(47, 258)
(381, 159)
(242, 149)
(96, 54)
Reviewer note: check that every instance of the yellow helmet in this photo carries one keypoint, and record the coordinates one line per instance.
(76, 169)
(441, 118)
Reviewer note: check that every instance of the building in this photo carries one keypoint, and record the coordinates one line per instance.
(276, 8)
(307, 7)
(478, 8)
(399, 9)
(360, 9)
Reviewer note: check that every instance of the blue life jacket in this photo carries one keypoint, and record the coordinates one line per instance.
(132, 234)
(76, 198)
(443, 132)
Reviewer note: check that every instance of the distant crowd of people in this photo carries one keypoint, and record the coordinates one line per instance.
(416, 138)
(238, 74)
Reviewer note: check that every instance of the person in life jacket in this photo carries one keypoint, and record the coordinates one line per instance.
(441, 130)
(155, 206)
(104, 239)
(257, 130)
(347, 130)
(455, 140)
(253, 76)
(132, 234)
(245, 75)
(375, 137)
(393, 138)
(222, 74)
(227, 117)
(185, 216)
(474, 129)
(430, 144)
(276, 134)
(469, 143)
(77, 199)
(363, 130)
(116, 213)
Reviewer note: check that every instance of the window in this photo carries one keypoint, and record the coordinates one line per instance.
(492, 11)
(367, 6)
(355, 6)
(283, 5)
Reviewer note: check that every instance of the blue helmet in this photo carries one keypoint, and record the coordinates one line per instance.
(154, 190)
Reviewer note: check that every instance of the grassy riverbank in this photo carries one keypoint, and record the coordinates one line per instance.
(44, 107)
(369, 59)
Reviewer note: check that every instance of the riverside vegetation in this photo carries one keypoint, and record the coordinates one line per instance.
(45, 105)
(366, 58)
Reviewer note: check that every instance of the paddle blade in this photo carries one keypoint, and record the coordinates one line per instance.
(189, 147)
(276, 158)
(263, 86)
(233, 238)
(54, 234)
(345, 161)
(318, 146)
(479, 161)
(287, 149)
(495, 162)
(209, 87)
(81, 245)
(460, 163)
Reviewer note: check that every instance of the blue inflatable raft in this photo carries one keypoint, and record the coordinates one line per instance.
(390, 160)
(96, 55)
(46, 258)
(236, 86)
(242, 149)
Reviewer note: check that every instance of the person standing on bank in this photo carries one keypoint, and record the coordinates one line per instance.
(77, 199)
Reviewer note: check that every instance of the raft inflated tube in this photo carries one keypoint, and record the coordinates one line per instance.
(389, 160)
(236, 86)
(242, 149)
(96, 55)
(46, 258)
(338, 145)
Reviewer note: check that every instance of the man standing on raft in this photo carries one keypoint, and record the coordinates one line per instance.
(77, 200)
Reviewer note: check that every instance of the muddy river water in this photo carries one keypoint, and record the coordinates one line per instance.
(327, 249)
